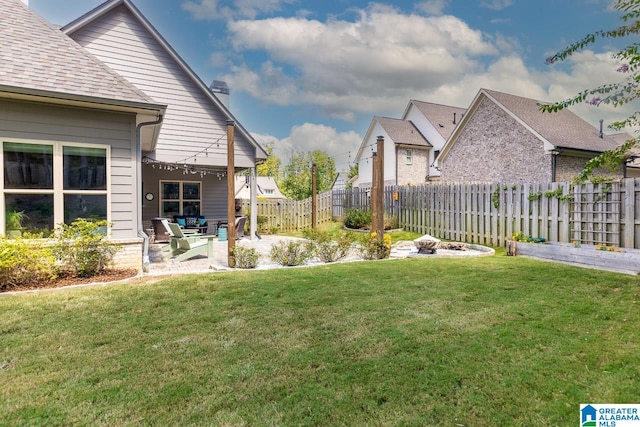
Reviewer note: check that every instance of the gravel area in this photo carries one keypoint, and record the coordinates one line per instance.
(218, 262)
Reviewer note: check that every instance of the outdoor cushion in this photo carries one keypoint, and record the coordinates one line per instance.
(182, 222)
(202, 221)
(191, 221)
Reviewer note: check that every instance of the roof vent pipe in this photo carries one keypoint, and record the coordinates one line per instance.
(454, 118)
(601, 134)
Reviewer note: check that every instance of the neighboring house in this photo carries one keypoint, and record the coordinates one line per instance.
(406, 153)
(340, 183)
(113, 125)
(506, 138)
(436, 122)
(412, 143)
(266, 188)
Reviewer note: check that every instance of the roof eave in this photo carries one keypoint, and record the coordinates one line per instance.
(110, 5)
(75, 100)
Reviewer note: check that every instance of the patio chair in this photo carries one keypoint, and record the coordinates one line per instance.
(161, 233)
(240, 221)
(184, 247)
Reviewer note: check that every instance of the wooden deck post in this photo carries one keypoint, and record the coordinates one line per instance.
(231, 194)
(314, 196)
(380, 189)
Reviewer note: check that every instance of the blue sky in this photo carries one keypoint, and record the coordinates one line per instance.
(308, 75)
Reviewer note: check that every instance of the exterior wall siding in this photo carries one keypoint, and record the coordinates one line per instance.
(430, 133)
(193, 126)
(493, 147)
(41, 122)
(214, 192)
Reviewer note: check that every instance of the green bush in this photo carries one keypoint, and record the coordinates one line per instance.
(82, 247)
(292, 252)
(25, 262)
(329, 248)
(371, 248)
(357, 218)
(245, 257)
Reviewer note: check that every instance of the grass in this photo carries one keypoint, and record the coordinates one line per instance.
(336, 228)
(471, 342)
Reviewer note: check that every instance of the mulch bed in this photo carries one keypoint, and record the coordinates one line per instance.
(110, 275)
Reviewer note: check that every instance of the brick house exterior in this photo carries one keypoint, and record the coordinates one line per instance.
(506, 138)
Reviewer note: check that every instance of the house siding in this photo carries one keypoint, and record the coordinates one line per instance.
(430, 133)
(214, 192)
(40, 122)
(365, 162)
(494, 147)
(193, 126)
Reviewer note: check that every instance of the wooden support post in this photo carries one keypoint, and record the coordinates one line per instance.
(314, 196)
(374, 191)
(380, 187)
(231, 194)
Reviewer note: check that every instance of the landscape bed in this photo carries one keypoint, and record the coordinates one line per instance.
(621, 260)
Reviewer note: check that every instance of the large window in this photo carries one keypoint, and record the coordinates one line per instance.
(54, 182)
(180, 198)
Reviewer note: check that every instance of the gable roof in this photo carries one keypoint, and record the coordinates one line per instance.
(441, 116)
(110, 5)
(560, 130)
(37, 60)
(400, 131)
(263, 184)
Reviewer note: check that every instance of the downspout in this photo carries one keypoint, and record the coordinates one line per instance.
(141, 233)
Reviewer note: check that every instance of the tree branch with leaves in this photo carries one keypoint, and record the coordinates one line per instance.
(617, 93)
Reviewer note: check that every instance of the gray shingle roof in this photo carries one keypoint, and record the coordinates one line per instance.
(34, 55)
(563, 129)
(403, 132)
(440, 116)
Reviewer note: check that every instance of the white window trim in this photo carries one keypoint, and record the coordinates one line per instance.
(180, 199)
(408, 159)
(58, 190)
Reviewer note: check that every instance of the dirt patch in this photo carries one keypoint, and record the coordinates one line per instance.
(110, 275)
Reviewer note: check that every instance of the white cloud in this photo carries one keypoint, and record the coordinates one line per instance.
(221, 9)
(341, 146)
(496, 4)
(375, 63)
(432, 7)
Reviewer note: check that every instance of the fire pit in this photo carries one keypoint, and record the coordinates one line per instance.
(427, 244)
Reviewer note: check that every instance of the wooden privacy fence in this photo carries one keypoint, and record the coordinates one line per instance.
(290, 215)
(489, 214)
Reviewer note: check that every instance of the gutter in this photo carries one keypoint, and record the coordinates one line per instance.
(141, 233)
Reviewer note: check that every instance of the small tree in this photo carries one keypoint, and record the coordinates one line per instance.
(271, 166)
(296, 183)
(616, 94)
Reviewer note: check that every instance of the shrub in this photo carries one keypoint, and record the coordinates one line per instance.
(25, 262)
(290, 253)
(357, 218)
(245, 257)
(390, 222)
(326, 248)
(521, 237)
(82, 248)
(371, 248)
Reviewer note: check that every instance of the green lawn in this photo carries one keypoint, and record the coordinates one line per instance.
(490, 341)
